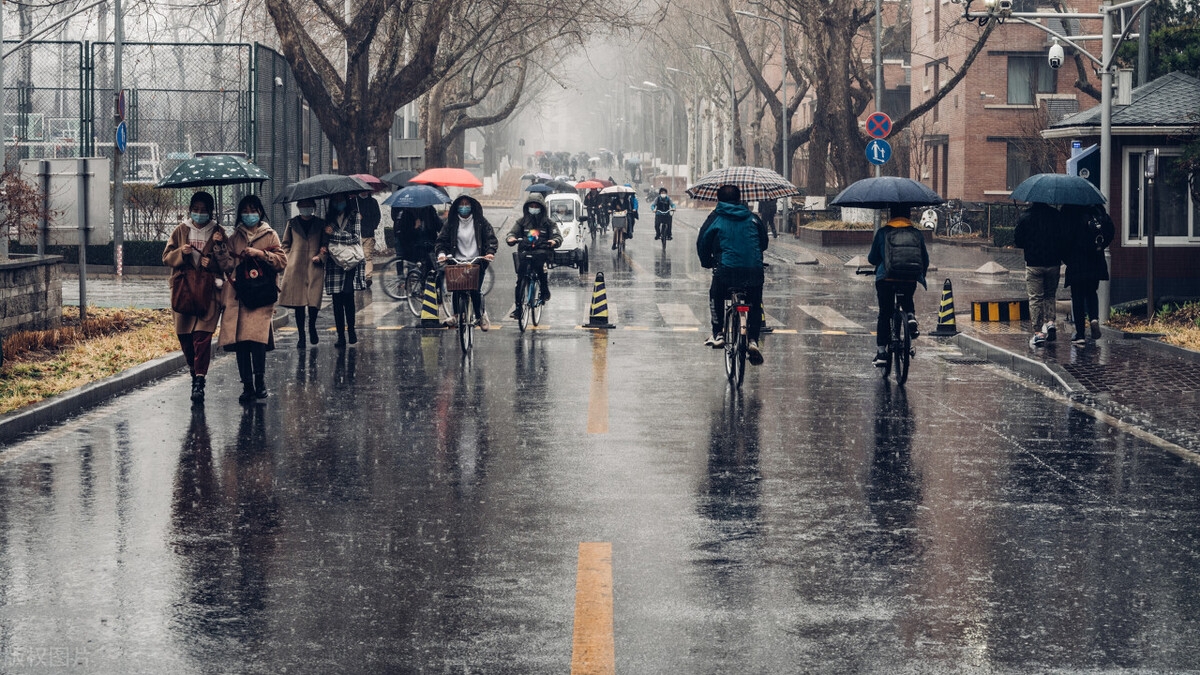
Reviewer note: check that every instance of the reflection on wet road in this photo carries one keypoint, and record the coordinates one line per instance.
(392, 508)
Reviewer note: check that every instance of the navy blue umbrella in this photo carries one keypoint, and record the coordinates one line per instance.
(540, 187)
(1057, 188)
(416, 196)
(886, 191)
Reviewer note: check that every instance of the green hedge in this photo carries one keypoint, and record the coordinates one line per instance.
(137, 253)
(1003, 236)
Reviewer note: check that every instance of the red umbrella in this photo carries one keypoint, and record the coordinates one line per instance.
(447, 177)
(367, 178)
(589, 185)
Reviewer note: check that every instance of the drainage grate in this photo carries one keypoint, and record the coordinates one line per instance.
(964, 360)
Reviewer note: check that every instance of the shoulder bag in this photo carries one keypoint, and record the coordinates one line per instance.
(254, 282)
(193, 290)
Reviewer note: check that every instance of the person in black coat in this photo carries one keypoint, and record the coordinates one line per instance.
(1089, 230)
(369, 217)
(416, 232)
(467, 234)
(1039, 234)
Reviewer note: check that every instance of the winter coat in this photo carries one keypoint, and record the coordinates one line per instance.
(343, 229)
(303, 280)
(1088, 230)
(734, 239)
(767, 208)
(548, 232)
(174, 258)
(412, 241)
(485, 236)
(1039, 233)
(240, 324)
(875, 256)
(368, 207)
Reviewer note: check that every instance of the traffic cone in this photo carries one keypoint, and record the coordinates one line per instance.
(946, 327)
(598, 316)
(429, 304)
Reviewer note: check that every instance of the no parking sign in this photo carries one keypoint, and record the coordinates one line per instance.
(879, 125)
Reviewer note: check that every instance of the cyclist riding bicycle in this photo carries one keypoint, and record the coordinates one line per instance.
(416, 234)
(901, 260)
(663, 208)
(535, 232)
(591, 201)
(466, 235)
(732, 243)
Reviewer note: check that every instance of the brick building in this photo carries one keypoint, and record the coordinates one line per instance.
(984, 138)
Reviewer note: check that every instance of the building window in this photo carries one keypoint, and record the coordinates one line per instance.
(1020, 166)
(1175, 216)
(1029, 76)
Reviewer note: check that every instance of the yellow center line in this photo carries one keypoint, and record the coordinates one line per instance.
(598, 396)
(593, 651)
(389, 327)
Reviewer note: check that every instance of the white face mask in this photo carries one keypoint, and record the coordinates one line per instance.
(307, 211)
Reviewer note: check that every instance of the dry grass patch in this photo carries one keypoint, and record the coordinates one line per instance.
(1179, 325)
(41, 364)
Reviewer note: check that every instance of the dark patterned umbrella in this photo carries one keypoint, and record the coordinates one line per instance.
(213, 170)
(754, 182)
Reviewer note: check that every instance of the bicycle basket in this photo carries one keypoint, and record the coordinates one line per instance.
(462, 277)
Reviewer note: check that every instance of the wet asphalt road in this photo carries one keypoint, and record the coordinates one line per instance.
(391, 509)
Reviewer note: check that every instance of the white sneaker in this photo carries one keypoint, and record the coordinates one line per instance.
(1050, 331)
(484, 322)
(716, 341)
(1096, 334)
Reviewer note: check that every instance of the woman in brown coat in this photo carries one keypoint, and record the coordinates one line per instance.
(195, 244)
(246, 331)
(304, 241)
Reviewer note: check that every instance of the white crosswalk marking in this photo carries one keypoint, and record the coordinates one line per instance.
(678, 314)
(829, 316)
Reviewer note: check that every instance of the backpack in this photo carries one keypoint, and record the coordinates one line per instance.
(902, 260)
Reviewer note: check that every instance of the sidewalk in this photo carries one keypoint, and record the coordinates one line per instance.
(1142, 382)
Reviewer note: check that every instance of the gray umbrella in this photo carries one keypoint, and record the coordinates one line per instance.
(321, 186)
(398, 178)
(1057, 188)
(887, 191)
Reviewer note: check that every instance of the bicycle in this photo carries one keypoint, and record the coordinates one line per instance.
(620, 225)
(530, 307)
(405, 280)
(899, 346)
(663, 227)
(956, 224)
(462, 277)
(737, 316)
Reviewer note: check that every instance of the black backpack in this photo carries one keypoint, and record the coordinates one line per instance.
(902, 260)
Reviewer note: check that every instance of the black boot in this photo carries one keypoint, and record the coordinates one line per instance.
(312, 326)
(352, 334)
(247, 392)
(260, 386)
(197, 389)
(300, 343)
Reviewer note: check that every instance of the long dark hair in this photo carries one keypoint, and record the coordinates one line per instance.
(252, 201)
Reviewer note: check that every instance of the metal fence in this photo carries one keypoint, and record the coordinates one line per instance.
(181, 99)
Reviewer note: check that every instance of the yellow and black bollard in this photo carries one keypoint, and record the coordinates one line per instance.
(946, 327)
(429, 304)
(598, 316)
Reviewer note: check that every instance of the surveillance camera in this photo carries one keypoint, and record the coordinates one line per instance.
(1056, 55)
(1000, 7)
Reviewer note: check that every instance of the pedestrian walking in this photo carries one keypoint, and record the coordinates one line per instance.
(767, 208)
(369, 217)
(466, 235)
(304, 243)
(345, 271)
(1039, 234)
(253, 259)
(191, 253)
(1089, 230)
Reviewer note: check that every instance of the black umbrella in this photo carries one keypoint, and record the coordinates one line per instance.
(561, 186)
(887, 191)
(1057, 188)
(398, 178)
(321, 186)
(213, 170)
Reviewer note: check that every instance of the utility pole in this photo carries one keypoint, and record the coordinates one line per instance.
(118, 174)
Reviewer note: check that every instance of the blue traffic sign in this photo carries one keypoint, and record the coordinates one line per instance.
(122, 137)
(879, 151)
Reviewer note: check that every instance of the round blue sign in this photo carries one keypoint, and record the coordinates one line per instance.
(879, 151)
(122, 137)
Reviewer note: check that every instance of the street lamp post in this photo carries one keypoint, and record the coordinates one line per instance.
(784, 158)
(732, 95)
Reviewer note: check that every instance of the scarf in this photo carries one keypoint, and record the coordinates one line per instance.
(197, 238)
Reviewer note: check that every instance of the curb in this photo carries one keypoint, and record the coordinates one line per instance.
(1042, 373)
(1157, 345)
(59, 408)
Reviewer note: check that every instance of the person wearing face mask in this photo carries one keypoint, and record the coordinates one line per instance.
(194, 244)
(467, 234)
(534, 231)
(342, 228)
(245, 331)
(304, 242)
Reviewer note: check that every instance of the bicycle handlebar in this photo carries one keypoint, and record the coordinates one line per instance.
(460, 261)
(865, 272)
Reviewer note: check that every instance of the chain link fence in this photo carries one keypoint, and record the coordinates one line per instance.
(181, 100)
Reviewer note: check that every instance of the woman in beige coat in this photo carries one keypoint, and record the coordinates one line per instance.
(247, 332)
(304, 242)
(196, 243)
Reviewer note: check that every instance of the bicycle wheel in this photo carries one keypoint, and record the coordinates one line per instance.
(731, 345)
(896, 346)
(522, 311)
(414, 291)
(960, 229)
(904, 352)
(534, 302)
(462, 309)
(391, 278)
